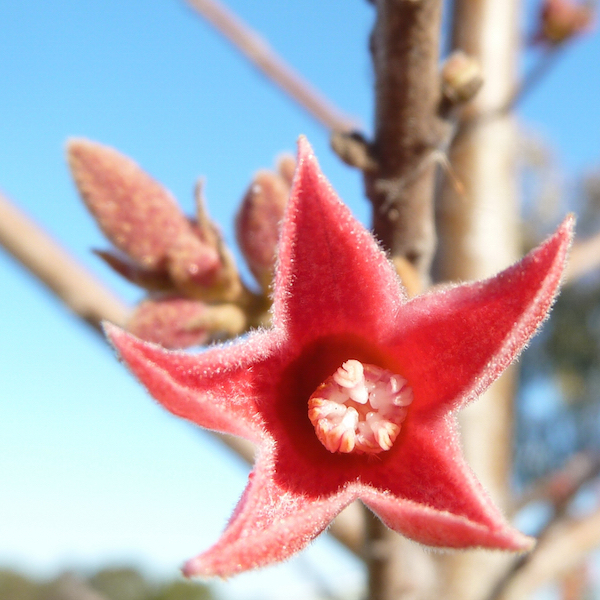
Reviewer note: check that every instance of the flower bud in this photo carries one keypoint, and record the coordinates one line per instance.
(198, 272)
(137, 214)
(257, 223)
(461, 77)
(561, 20)
(149, 280)
(164, 249)
(171, 322)
(286, 167)
(176, 323)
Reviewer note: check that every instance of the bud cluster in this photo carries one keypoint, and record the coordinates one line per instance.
(195, 293)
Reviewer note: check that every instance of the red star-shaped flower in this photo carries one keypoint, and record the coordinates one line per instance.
(352, 392)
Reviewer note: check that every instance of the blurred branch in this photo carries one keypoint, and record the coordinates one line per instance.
(478, 236)
(560, 487)
(259, 53)
(532, 78)
(584, 258)
(564, 546)
(57, 269)
(408, 130)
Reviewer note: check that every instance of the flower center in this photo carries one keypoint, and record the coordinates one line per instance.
(360, 408)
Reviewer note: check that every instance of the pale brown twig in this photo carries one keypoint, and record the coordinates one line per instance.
(405, 51)
(560, 488)
(584, 258)
(566, 544)
(258, 52)
(57, 269)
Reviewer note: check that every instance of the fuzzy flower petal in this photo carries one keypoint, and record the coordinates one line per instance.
(269, 524)
(338, 301)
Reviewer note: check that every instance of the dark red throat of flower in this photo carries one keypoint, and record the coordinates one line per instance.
(360, 408)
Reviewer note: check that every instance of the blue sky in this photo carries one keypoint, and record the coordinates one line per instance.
(91, 471)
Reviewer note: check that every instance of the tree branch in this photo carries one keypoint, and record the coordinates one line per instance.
(566, 544)
(584, 258)
(57, 269)
(258, 52)
(399, 182)
(408, 131)
(477, 228)
(560, 487)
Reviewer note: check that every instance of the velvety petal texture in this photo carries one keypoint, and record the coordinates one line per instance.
(336, 299)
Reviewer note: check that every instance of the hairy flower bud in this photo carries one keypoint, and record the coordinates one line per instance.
(137, 214)
(177, 323)
(164, 249)
(286, 167)
(154, 281)
(560, 20)
(461, 77)
(171, 322)
(257, 223)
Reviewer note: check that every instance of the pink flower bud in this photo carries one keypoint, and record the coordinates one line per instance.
(171, 322)
(257, 223)
(561, 20)
(137, 214)
(193, 266)
(149, 280)
(166, 250)
(286, 167)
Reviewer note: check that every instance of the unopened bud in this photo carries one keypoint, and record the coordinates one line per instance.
(137, 214)
(257, 223)
(461, 77)
(561, 20)
(171, 322)
(286, 167)
(150, 280)
(198, 271)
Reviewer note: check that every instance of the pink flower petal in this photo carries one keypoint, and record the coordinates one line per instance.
(213, 389)
(425, 480)
(331, 276)
(452, 344)
(269, 525)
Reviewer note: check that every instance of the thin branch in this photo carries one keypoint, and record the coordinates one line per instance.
(584, 258)
(560, 487)
(533, 78)
(565, 546)
(261, 55)
(405, 51)
(57, 269)
(88, 299)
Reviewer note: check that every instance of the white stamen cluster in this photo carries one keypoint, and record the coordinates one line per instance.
(360, 408)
